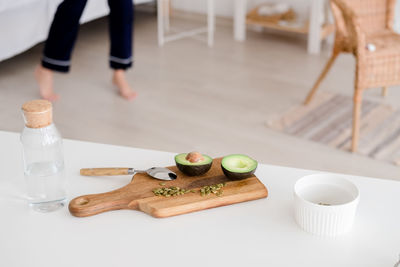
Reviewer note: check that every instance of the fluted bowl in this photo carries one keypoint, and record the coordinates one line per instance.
(325, 204)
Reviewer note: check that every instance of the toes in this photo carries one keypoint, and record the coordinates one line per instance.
(54, 97)
(132, 96)
(129, 95)
(51, 97)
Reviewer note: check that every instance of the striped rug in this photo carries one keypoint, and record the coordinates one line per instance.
(328, 120)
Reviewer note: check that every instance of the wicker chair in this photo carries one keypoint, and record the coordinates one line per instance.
(365, 29)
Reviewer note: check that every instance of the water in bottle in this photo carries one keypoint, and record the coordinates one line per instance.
(43, 158)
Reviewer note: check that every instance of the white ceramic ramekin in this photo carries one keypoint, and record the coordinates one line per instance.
(325, 204)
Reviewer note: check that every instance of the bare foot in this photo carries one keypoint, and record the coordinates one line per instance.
(44, 78)
(124, 88)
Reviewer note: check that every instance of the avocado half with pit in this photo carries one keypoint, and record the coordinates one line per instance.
(193, 163)
(238, 166)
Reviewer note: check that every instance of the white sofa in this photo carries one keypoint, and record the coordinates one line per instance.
(25, 23)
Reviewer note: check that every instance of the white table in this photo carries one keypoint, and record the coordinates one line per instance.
(256, 233)
(314, 34)
(163, 24)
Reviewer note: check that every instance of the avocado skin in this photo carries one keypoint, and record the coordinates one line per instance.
(236, 175)
(194, 170)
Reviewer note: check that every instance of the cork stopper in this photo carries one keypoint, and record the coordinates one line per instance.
(37, 113)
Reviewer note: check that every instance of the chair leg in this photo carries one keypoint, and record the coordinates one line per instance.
(356, 119)
(384, 91)
(320, 78)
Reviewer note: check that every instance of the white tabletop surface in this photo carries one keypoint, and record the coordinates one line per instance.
(256, 233)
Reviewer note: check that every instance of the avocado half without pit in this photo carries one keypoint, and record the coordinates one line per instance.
(238, 166)
(193, 163)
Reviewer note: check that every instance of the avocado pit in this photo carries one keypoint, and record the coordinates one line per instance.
(194, 157)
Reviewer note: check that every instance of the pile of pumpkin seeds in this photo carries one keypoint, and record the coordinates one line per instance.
(214, 189)
(177, 191)
(171, 191)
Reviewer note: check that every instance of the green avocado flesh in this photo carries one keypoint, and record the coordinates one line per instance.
(193, 168)
(238, 166)
(181, 159)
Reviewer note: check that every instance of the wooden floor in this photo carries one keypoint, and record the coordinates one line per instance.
(191, 97)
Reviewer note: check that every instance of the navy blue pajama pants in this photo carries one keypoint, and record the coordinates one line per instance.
(64, 30)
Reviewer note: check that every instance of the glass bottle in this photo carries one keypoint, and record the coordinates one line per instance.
(43, 157)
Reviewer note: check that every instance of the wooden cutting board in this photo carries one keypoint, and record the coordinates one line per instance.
(138, 195)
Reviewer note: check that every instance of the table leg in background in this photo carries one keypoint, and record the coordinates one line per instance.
(210, 22)
(160, 22)
(239, 20)
(314, 33)
(166, 14)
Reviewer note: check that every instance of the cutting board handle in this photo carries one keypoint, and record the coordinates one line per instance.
(89, 205)
(105, 171)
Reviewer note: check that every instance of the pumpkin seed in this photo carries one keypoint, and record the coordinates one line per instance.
(171, 191)
(214, 189)
(177, 191)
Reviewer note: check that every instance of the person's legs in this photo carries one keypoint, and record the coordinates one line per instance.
(121, 34)
(59, 45)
